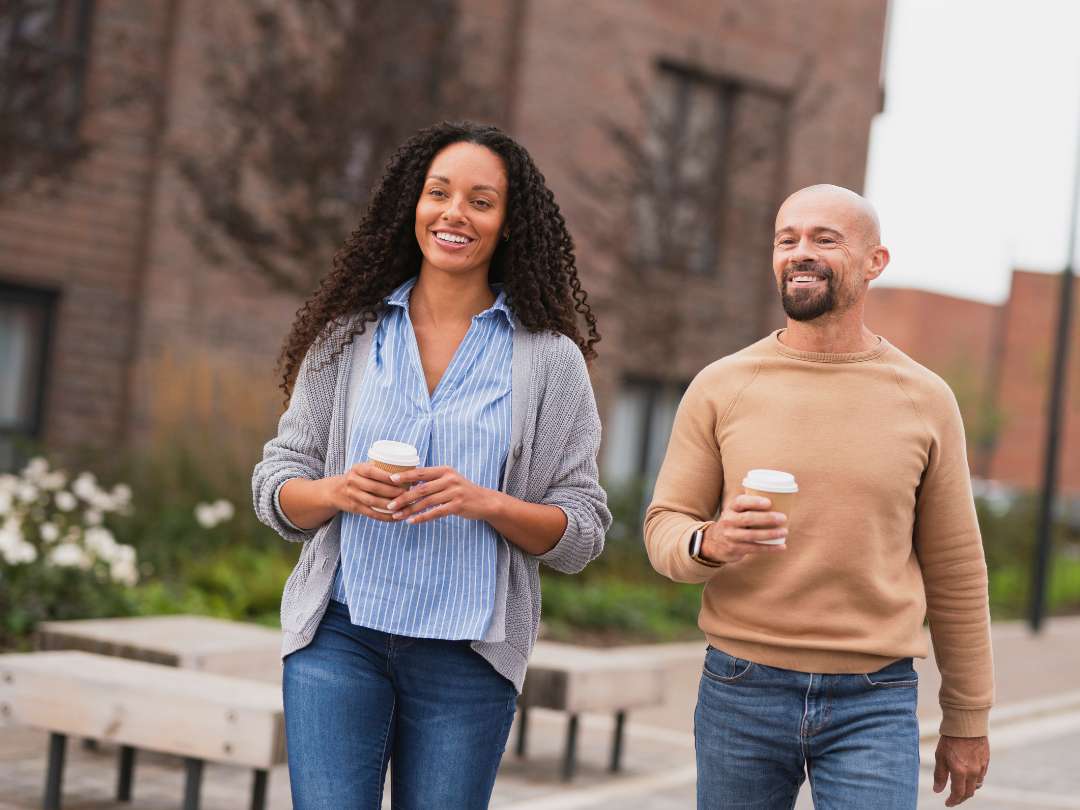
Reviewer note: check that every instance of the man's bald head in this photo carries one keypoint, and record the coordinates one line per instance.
(826, 251)
(839, 203)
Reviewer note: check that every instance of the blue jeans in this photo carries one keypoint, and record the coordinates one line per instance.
(757, 728)
(356, 699)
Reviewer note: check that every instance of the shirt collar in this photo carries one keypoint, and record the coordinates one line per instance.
(400, 298)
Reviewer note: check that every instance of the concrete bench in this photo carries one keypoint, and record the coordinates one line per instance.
(199, 716)
(189, 642)
(580, 679)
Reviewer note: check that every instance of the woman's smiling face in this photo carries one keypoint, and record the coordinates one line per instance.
(461, 212)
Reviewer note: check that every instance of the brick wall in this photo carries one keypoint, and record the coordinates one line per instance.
(575, 61)
(153, 339)
(1024, 382)
(85, 241)
(956, 338)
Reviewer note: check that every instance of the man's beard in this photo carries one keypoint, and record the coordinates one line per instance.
(805, 305)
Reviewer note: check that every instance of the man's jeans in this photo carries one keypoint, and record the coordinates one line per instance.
(357, 698)
(757, 728)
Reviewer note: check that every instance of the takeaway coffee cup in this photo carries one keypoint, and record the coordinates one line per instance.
(779, 487)
(394, 457)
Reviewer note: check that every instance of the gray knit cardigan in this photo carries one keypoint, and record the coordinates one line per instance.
(554, 439)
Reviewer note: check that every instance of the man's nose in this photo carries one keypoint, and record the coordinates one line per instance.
(804, 251)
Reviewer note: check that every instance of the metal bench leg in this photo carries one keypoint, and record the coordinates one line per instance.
(569, 755)
(124, 773)
(192, 783)
(54, 776)
(523, 727)
(258, 789)
(617, 742)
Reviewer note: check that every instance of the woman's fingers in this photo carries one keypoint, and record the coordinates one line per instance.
(434, 499)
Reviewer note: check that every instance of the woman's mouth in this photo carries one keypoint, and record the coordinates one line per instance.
(452, 241)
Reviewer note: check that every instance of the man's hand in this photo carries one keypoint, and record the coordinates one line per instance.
(964, 760)
(741, 528)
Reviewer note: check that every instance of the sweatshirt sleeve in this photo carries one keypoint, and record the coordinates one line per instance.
(950, 552)
(689, 487)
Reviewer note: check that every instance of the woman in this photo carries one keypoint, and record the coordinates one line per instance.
(449, 321)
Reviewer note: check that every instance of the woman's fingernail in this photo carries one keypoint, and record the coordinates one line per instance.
(395, 477)
(399, 515)
(392, 505)
(411, 521)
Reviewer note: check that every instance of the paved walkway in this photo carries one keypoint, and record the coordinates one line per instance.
(1035, 738)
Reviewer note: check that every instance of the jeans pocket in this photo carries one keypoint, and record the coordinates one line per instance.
(719, 666)
(897, 674)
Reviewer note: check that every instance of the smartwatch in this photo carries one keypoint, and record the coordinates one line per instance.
(696, 539)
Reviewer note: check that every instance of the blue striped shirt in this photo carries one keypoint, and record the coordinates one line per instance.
(435, 579)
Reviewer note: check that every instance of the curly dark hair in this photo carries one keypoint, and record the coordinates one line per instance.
(535, 265)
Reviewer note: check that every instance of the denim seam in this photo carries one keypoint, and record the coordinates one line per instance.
(382, 755)
(892, 684)
(722, 679)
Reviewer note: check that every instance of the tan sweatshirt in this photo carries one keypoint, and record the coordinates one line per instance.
(883, 532)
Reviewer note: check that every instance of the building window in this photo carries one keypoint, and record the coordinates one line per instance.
(710, 139)
(637, 436)
(26, 317)
(681, 214)
(43, 56)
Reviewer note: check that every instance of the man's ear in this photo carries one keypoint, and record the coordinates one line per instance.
(878, 261)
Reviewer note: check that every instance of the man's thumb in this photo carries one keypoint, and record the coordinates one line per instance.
(941, 774)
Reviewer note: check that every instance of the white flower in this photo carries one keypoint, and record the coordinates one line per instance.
(121, 496)
(8, 482)
(54, 480)
(69, 555)
(27, 492)
(49, 532)
(206, 515)
(225, 510)
(6, 502)
(101, 542)
(35, 468)
(85, 486)
(65, 501)
(93, 517)
(123, 569)
(10, 534)
(17, 553)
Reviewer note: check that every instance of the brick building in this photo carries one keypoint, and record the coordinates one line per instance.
(998, 361)
(114, 328)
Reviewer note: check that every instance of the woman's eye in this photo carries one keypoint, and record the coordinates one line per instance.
(437, 192)
(482, 204)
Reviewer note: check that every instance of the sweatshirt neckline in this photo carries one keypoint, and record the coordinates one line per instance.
(827, 357)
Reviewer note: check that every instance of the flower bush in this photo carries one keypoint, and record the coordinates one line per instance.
(58, 556)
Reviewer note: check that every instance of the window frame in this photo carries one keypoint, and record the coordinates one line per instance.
(47, 301)
(68, 49)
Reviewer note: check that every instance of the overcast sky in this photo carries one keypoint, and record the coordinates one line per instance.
(971, 163)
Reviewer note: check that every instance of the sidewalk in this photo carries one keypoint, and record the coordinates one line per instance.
(1035, 737)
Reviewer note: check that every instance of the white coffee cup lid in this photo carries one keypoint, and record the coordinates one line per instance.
(399, 454)
(770, 481)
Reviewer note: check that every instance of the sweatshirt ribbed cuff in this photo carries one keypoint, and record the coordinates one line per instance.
(964, 722)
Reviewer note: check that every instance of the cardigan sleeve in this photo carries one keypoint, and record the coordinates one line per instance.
(299, 448)
(575, 486)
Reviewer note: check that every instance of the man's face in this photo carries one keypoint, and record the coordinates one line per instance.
(820, 252)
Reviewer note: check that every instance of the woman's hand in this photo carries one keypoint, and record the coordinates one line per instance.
(361, 487)
(438, 492)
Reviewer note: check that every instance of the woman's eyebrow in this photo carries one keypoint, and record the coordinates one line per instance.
(478, 187)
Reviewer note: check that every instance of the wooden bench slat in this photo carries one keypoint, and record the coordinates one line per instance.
(183, 712)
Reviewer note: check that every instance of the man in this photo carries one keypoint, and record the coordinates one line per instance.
(811, 642)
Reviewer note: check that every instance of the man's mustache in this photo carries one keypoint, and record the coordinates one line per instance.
(818, 268)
